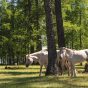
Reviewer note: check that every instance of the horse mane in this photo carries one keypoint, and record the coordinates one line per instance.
(35, 53)
(69, 50)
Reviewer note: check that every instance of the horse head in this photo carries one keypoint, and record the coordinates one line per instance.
(62, 52)
(29, 61)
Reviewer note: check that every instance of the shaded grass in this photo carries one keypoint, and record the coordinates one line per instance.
(29, 78)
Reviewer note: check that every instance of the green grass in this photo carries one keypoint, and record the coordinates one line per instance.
(29, 78)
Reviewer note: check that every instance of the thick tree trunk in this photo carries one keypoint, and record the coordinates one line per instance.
(59, 21)
(51, 68)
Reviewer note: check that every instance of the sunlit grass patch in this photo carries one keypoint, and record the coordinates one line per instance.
(29, 78)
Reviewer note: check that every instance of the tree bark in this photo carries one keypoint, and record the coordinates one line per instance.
(51, 68)
(59, 21)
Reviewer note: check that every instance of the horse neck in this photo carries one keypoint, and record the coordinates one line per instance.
(37, 55)
(69, 51)
(33, 54)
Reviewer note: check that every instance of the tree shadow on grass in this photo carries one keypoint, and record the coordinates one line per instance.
(20, 73)
(20, 68)
(44, 81)
(40, 82)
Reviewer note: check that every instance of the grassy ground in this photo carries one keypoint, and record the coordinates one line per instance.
(29, 78)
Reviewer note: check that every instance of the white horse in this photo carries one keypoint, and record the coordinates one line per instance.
(73, 56)
(41, 57)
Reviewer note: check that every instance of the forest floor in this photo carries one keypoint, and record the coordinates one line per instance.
(22, 77)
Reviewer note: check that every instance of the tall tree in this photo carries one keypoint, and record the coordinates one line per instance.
(59, 21)
(51, 68)
(10, 47)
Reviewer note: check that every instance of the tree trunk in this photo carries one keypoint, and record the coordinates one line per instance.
(59, 21)
(51, 68)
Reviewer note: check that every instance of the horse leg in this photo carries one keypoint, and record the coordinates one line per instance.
(68, 71)
(63, 65)
(45, 66)
(68, 68)
(40, 70)
(71, 70)
(73, 73)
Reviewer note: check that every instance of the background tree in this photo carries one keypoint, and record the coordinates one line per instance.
(59, 22)
(22, 24)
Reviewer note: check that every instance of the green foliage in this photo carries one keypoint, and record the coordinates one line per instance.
(6, 26)
(75, 18)
(22, 24)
